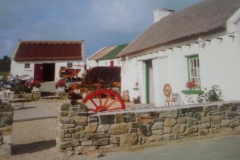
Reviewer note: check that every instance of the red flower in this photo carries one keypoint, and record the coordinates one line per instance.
(191, 84)
(60, 83)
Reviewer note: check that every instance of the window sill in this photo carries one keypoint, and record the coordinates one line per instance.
(192, 92)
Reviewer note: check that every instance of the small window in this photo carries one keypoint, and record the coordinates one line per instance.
(194, 69)
(27, 65)
(69, 65)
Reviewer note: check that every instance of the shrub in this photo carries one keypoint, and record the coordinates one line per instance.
(214, 94)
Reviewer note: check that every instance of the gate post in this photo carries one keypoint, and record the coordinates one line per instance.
(6, 120)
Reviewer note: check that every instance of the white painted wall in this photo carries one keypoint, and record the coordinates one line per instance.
(102, 63)
(219, 65)
(17, 68)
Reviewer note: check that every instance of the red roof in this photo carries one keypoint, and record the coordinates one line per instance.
(49, 50)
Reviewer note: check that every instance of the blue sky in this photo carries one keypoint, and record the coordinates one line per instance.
(100, 23)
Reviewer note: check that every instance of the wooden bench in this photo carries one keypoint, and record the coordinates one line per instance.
(16, 100)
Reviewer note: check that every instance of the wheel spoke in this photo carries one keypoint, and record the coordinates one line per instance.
(112, 103)
(103, 106)
(100, 99)
(93, 103)
(106, 101)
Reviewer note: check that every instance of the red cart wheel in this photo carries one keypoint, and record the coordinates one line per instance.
(104, 99)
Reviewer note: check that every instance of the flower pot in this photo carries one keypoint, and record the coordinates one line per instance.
(36, 89)
(61, 88)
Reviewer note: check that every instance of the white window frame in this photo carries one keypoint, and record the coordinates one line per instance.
(27, 66)
(69, 65)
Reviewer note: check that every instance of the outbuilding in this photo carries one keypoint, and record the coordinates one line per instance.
(46, 60)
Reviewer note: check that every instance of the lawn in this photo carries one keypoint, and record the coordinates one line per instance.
(4, 74)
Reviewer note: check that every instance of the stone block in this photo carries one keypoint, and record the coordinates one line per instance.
(145, 120)
(79, 135)
(169, 114)
(217, 120)
(101, 142)
(184, 110)
(66, 144)
(225, 123)
(87, 143)
(213, 131)
(107, 119)
(224, 107)
(95, 154)
(118, 118)
(63, 113)
(167, 130)
(196, 109)
(168, 137)
(204, 125)
(79, 128)
(100, 135)
(65, 126)
(103, 128)
(91, 127)
(157, 125)
(81, 120)
(5, 151)
(7, 130)
(145, 129)
(225, 131)
(192, 122)
(182, 120)
(117, 129)
(66, 120)
(203, 132)
(115, 139)
(65, 107)
(179, 128)
(192, 129)
(69, 131)
(234, 123)
(149, 115)
(128, 118)
(128, 139)
(170, 122)
(157, 132)
(212, 107)
(230, 114)
(7, 139)
(92, 119)
(235, 107)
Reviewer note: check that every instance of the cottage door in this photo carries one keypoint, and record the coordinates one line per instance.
(38, 72)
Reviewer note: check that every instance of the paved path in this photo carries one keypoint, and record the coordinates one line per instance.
(220, 148)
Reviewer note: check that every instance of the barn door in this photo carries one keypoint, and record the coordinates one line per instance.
(38, 72)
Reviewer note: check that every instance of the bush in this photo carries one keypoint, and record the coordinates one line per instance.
(103, 75)
(21, 88)
(214, 94)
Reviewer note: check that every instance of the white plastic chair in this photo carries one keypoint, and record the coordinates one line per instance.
(6, 95)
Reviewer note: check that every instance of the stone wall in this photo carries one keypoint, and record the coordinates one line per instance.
(80, 131)
(6, 120)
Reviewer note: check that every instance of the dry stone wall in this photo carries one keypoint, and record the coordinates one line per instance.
(6, 120)
(80, 131)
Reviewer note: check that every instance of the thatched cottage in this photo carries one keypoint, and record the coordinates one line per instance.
(200, 43)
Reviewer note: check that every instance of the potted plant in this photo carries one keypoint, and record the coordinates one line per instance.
(193, 87)
(60, 85)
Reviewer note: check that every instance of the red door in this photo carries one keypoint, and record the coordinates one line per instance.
(38, 72)
(111, 63)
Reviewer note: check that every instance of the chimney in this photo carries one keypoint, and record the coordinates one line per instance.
(160, 13)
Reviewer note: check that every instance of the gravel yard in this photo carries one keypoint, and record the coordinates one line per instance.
(36, 140)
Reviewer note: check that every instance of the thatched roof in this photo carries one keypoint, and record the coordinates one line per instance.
(205, 18)
(49, 50)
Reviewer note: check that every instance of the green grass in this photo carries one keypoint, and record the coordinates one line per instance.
(4, 74)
